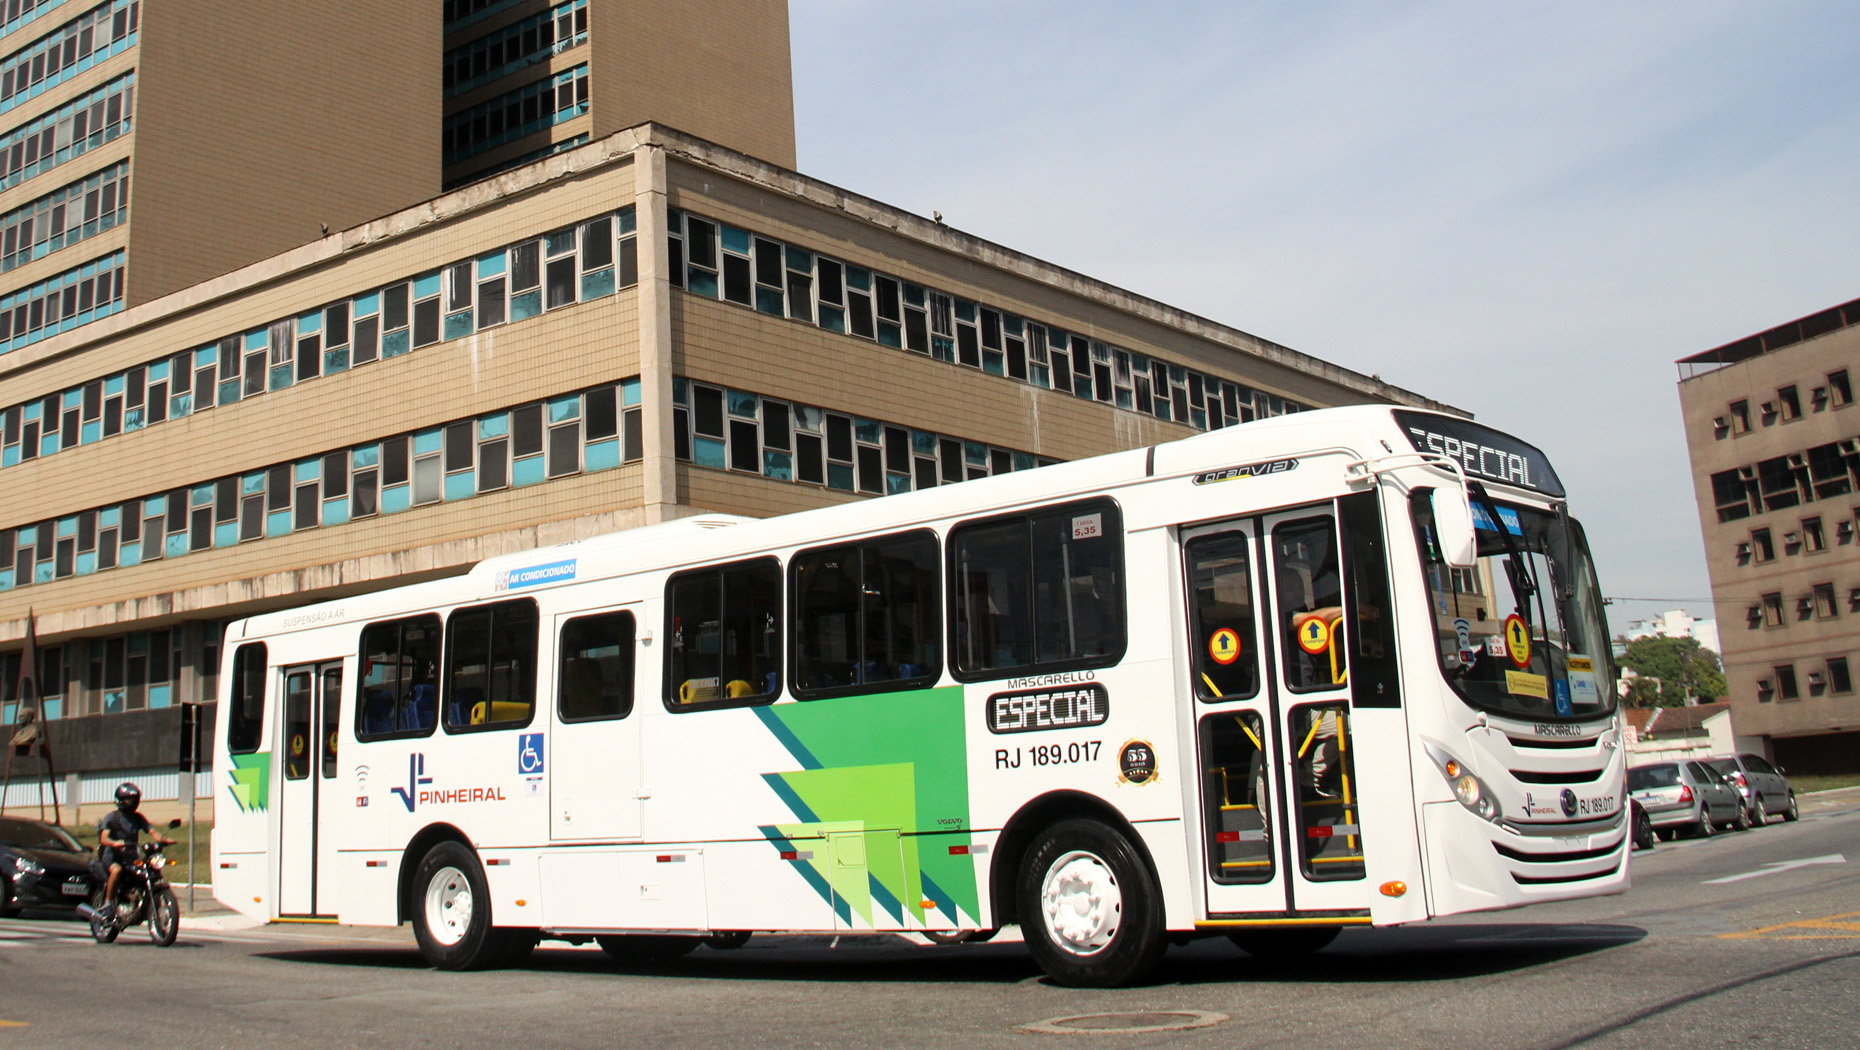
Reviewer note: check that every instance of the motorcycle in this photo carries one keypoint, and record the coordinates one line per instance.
(142, 896)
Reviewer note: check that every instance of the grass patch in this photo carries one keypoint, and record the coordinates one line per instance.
(1804, 785)
(177, 855)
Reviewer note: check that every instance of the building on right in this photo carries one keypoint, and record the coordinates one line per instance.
(1774, 437)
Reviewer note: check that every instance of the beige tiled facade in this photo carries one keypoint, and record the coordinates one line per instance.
(650, 333)
(1777, 409)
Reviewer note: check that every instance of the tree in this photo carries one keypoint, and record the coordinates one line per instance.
(1672, 671)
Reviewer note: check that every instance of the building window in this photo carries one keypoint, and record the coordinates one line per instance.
(595, 259)
(58, 304)
(68, 132)
(1824, 601)
(63, 53)
(65, 216)
(1813, 541)
(1840, 389)
(1789, 403)
(1840, 678)
(1772, 609)
(1740, 417)
(1763, 548)
(515, 47)
(516, 114)
(1785, 682)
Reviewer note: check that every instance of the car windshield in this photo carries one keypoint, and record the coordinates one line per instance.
(28, 834)
(1645, 777)
(1521, 632)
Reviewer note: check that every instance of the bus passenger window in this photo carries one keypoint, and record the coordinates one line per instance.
(1039, 590)
(398, 689)
(595, 679)
(1224, 637)
(866, 616)
(1309, 582)
(725, 630)
(491, 666)
(245, 718)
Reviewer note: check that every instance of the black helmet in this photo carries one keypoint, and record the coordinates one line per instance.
(128, 797)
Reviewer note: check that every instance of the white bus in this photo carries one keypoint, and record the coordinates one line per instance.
(1345, 667)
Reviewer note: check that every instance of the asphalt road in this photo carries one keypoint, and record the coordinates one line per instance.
(1722, 942)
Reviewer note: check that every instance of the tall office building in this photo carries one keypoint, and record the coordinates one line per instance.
(145, 148)
(638, 327)
(527, 78)
(1775, 442)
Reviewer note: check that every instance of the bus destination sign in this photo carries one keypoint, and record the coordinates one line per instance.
(1063, 707)
(1484, 453)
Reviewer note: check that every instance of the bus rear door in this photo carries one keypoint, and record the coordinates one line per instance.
(310, 718)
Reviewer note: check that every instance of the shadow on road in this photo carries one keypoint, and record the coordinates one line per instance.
(1421, 953)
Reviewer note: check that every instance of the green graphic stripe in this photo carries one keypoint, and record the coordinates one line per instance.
(251, 781)
(876, 772)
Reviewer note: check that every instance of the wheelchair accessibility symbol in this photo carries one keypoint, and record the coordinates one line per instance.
(530, 753)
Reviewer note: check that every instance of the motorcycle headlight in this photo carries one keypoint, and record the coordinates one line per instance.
(158, 862)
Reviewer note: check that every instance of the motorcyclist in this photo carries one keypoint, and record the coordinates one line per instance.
(117, 834)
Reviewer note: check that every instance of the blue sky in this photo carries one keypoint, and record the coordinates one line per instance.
(1527, 211)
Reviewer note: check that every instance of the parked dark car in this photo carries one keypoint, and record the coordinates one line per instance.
(41, 866)
(1765, 790)
(1686, 797)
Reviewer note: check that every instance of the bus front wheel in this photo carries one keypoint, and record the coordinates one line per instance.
(452, 911)
(1089, 909)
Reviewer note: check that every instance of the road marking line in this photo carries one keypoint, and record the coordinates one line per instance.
(1776, 867)
(1825, 922)
(14, 1024)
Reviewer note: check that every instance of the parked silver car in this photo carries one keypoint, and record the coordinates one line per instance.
(1686, 797)
(1765, 790)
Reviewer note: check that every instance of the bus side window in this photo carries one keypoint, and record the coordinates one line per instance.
(595, 678)
(397, 693)
(491, 666)
(866, 616)
(245, 718)
(725, 628)
(1043, 590)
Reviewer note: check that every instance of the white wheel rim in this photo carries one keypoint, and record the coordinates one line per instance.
(1081, 903)
(448, 905)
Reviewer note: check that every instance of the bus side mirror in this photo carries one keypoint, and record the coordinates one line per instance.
(1453, 526)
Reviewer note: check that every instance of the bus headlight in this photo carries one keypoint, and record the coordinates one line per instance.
(1468, 788)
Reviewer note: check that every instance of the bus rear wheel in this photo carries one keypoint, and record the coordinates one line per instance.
(1089, 908)
(452, 911)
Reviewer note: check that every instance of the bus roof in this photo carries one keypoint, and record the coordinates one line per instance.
(1360, 428)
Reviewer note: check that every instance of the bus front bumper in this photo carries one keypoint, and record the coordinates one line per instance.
(1478, 866)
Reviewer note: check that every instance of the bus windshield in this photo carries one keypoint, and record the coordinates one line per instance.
(1521, 632)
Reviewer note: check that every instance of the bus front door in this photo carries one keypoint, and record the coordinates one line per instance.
(1282, 821)
(309, 720)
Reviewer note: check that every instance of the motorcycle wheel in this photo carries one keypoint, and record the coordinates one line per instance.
(164, 918)
(101, 929)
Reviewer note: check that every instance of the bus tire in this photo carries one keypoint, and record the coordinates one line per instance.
(451, 909)
(1089, 908)
(1283, 942)
(646, 949)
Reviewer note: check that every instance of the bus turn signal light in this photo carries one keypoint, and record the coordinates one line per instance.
(1394, 889)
